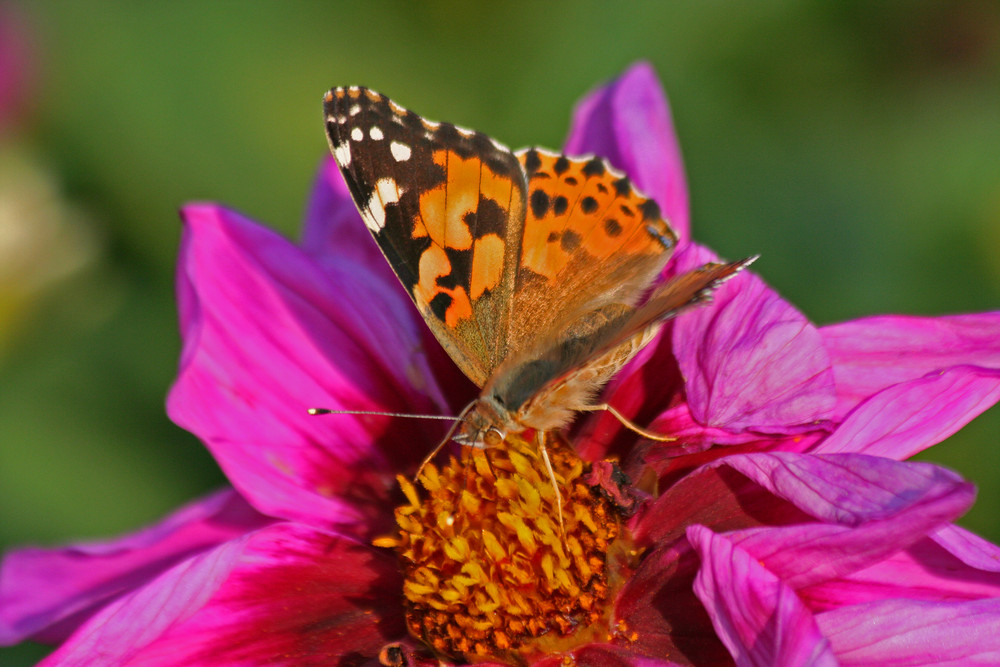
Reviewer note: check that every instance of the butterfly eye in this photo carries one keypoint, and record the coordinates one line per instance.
(493, 437)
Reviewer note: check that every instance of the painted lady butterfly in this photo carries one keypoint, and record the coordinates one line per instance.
(527, 266)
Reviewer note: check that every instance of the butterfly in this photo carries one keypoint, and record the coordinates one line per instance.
(536, 271)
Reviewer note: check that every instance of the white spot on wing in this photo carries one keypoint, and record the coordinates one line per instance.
(386, 192)
(355, 110)
(375, 133)
(401, 152)
(343, 154)
(357, 134)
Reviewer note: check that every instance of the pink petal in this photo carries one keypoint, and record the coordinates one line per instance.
(19, 66)
(807, 554)
(907, 632)
(779, 488)
(969, 548)
(658, 605)
(871, 354)
(759, 618)
(847, 489)
(45, 594)
(924, 571)
(628, 122)
(121, 629)
(337, 239)
(267, 335)
(906, 418)
(750, 360)
(334, 232)
(609, 655)
(716, 496)
(296, 597)
(951, 564)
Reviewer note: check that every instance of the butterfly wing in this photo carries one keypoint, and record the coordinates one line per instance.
(446, 206)
(546, 384)
(590, 239)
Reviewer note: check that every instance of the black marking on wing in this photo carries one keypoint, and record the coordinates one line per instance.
(352, 114)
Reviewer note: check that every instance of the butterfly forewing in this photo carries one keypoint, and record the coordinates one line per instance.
(590, 239)
(446, 206)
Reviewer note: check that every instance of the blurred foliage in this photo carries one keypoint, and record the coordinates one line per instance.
(855, 145)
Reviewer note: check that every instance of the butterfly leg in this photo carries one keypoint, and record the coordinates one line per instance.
(542, 437)
(626, 422)
(451, 431)
(427, 459)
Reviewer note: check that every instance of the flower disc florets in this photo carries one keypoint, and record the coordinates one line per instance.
(489, 573)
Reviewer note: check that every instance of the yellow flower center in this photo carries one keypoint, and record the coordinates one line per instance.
(489, 574)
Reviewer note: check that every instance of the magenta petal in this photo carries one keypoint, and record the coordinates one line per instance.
(668, 619)
(628, 122)
(907, 632)
(267, 335)
(969, 548)
(115, 634)
(871, 354)
(334, 231)
(925, 571)
(750, 360)
(759, 618)
(609, 655)
(911, 416)
(803, 555)
(780, 488)
(338, 241)
(296, 597)
(848, 489)
(46, 593)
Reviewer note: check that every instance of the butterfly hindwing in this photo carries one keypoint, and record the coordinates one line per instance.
(590, 239)
(446, 206)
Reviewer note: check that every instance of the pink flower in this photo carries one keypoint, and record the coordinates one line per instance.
(786, 529)
(17, 68)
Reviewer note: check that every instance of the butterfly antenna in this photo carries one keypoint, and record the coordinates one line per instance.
(325, 411)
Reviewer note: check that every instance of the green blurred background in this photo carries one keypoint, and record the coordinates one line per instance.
(855, 145)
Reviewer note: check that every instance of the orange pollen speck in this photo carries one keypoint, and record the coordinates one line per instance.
(488, 573)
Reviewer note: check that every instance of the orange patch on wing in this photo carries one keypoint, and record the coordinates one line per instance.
(487, 264)
(585, 213)
(496, 187)
(443, 210)
(434, 264)
(460, 308)
(537, 252)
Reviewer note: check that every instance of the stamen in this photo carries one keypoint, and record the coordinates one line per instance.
(489, 575)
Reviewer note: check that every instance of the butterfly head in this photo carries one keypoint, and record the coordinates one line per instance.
(485, 423)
